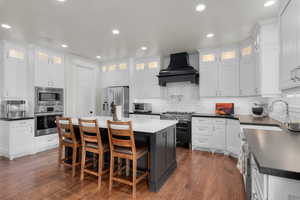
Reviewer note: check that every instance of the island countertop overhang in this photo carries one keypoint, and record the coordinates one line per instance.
(138, 125)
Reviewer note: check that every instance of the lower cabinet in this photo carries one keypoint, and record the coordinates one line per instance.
(266, 187)
(43, 143)
(216, 135)
(16, 138)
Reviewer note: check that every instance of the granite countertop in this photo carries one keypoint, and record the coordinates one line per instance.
(18, 119)
(276, 153)
(138, 125)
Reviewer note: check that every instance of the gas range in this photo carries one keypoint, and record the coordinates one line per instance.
(183, 127)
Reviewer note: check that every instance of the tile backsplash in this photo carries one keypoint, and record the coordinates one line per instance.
(185, 97)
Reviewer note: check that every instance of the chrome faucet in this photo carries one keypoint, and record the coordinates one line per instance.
(271, 107)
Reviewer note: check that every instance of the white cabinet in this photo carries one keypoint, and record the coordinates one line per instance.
(46, 142)
(216, 134)
(49, 69)
(290, 45)
(208, 73)
(233, 140)
(14, 71)
(248, 73)
(114, 74)
(267, 57)
(219, 73)
(144, 80)
(16, 138)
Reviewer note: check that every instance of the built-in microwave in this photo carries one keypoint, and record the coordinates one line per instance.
(48, 97)
(142, 107)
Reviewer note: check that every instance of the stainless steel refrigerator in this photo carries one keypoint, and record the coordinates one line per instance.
(119, 95)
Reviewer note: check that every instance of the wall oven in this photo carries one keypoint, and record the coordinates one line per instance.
(49, 103)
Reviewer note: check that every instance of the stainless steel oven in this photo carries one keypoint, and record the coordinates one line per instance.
(45, 123)
(49, 103)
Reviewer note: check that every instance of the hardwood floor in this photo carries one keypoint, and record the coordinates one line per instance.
(199, 176)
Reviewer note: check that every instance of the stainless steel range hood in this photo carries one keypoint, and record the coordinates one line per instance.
(179, 70)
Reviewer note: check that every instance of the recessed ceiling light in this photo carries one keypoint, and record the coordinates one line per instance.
(269, 3)
(6, 26)
(98, 57)
(61, 1)
(64, 46)
(210, 35)
(116, 32)
(200, 7)
(144, 48)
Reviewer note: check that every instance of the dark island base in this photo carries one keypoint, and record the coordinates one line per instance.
(162, 148)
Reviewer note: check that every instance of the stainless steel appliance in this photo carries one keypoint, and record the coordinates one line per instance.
(183, 127)
(118, 96)
(49, 103)
(142, 107)
(13, 109)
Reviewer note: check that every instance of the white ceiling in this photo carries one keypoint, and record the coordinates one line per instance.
(164, 26)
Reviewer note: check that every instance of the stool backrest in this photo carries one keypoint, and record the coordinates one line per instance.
(65, 129)
(90, 133)
(121, 135)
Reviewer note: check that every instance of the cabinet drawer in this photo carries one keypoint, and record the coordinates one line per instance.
(201, 141)
(220, 122)
(202, 131)
(200, 120)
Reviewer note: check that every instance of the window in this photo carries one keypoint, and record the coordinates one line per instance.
(227, 55)
(57, 60)
(42, 56)
(13, 53)
(140, 66)
(247, 51)
(112, 68)
(208, 58)
(104, 69)
(122, 66)
(152, 65)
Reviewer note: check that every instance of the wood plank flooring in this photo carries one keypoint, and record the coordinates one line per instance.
(199, 176)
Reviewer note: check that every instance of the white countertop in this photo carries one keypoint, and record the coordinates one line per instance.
(138, 125)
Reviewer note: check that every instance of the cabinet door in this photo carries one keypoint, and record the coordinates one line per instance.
(42, 69)
(209, 73)
(228, 72)
(283, 189)
(288, 23)
(233, 136)
(57, 71)
(247, 70)
(219, 134)
(15, 72)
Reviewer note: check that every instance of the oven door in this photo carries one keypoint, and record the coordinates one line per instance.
(45, 124)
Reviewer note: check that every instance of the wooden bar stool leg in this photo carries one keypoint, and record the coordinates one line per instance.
(82, 164)
(60, 149)
(100, 165)
(74, 157)
(111, 171)
(134, 169)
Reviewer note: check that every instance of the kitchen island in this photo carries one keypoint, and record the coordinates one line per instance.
(159, 136)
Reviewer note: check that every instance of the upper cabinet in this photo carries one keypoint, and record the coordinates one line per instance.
(267, 57)
(248, 80)
(114, 74)
(219, 70)
(290, 45)
(14, 71)
(49, 69)
(144, 80)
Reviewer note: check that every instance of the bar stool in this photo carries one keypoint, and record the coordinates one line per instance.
(122, 146)
(92, 142)
(67, 138)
